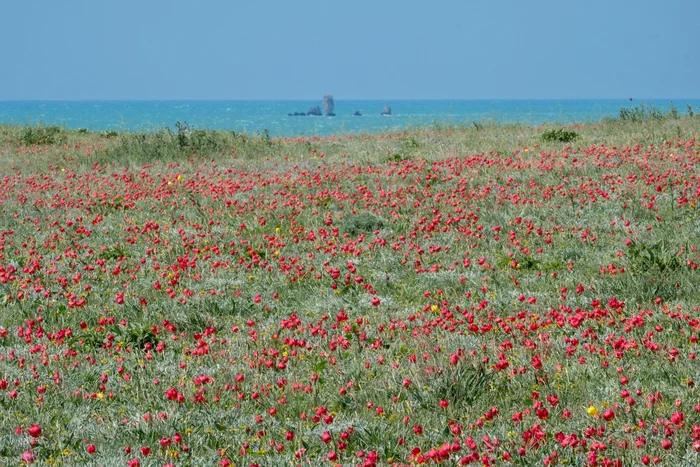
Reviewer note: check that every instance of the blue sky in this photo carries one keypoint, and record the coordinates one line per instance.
(379, 49)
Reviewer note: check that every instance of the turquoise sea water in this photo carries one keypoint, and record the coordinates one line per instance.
(258, 116)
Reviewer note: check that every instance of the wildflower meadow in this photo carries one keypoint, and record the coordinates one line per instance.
(462, 295)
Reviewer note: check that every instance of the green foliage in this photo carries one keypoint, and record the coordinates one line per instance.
(559, 135)
(640, 113)
(137, 336)
(49, 135)
(114, 252)
(192, 140)
(654, 269)
(133, 335)
(185, 142)
(464, 384)
(525, 262)
(528, 263)
(89, 340)
(644, 113)
(362, 223)
(653, 258)
(396, 157)
(672, 111)
(408, 146)
(411, 143)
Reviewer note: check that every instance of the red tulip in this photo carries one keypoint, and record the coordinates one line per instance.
(34, 431)
(28, 457)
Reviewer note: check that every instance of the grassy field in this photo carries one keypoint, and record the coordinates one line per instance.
(483, 295)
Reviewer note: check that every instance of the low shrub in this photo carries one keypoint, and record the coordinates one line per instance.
(559, 135)
(32, 135)
(640, 113)
(363, 223)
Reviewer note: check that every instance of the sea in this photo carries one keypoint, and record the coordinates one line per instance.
(271, 117)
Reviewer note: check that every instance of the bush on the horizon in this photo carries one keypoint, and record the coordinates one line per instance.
(559, 135)
(643, 113)
(32, 135)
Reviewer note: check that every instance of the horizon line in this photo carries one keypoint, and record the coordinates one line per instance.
(632, 99)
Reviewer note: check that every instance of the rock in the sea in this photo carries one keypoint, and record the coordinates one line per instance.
(357, 114)
(387, 110)
(328, 105)
(297, 114)
(315, 110)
